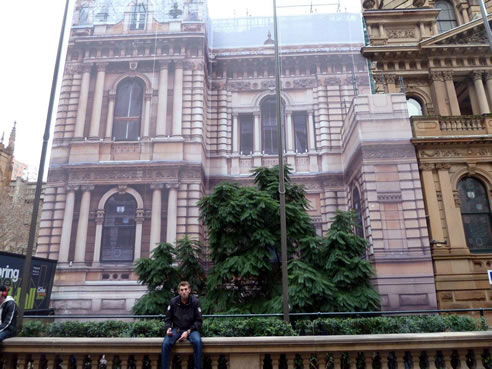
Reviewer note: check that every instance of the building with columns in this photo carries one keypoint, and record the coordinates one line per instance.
(158, 104)
(437, 54)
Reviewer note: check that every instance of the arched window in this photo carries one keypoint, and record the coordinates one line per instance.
(357, 209)
(475, 212)
(118, 238)
(446, 18)
(414, 107)
(128, 109)
(269, 132)
(138, 16)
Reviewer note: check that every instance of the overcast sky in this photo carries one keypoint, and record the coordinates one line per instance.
(30, 33)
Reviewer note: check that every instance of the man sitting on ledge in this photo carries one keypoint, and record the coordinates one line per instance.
(8, 314)
(183, 321)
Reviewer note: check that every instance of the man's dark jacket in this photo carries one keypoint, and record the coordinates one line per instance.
(9, 316)
(184, 316)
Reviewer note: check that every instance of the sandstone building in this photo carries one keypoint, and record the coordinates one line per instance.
(158, 104)
(437, 54)
(7, 159)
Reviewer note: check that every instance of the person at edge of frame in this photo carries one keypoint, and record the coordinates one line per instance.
(8, 314)
(183, 321)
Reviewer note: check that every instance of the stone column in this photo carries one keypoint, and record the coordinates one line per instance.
(82, 108)
(257, 134)
(137, 253)
(488, 78)
(480, 91)
(452, 214)
(177, 99)
(289, 132)
(430, 196)
(67, 224)
(98, 239)
(109, 120)
(235, 134)
(172, 212)
(473, 97)
(155, 222)
(146, 126)
(97, 103)
(451, 91)
(81, 240)
(439, 94)
(310, 131)
(162, 100)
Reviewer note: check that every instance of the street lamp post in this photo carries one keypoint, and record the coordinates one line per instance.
(281, 179)
(26, 273)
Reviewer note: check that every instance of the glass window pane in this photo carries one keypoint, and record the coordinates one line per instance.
(356, 207)
(246, 134)
(414, 107)
(269, 125)
(300, 131)
(446, 19)
(129, 96)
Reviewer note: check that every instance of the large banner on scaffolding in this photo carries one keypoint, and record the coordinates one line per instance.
(40, 285)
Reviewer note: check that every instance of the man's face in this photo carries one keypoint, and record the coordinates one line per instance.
(2, 299)
(184, 292)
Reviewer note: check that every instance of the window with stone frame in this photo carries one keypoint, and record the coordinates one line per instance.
(118, 236)
(446, 19)
(414, 106)
(357, 209)
(246, 134)
(476, 214)
(128, 110)
(300, 131)
(269, 131)
(138, 16)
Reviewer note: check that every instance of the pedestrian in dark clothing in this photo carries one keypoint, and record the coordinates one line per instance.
(183, 321)
(8, 314)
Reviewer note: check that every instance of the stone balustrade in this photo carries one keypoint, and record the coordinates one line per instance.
(429, 126)
(392, 351)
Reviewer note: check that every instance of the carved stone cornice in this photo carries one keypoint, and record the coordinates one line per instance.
(455, 153)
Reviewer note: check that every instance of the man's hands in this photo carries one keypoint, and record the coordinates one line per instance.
(184, 335)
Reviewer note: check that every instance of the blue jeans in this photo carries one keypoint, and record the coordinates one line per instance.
(169, 341)
(6, 334)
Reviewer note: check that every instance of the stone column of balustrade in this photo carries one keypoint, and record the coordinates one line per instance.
(67, 224)
(172, 212)
(155, 220)
(81, 239)
(97, 102)
(177, 99)
(480, 91)
(82, 108)
(161, 129)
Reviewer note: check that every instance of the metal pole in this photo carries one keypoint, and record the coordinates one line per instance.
(281, 180)
(26, 273)
(486, 22)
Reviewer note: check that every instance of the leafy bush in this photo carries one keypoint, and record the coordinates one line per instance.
(257, 327)
(250, 327)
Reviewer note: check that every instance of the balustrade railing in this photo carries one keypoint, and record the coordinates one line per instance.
(461, 124)
(468, 350)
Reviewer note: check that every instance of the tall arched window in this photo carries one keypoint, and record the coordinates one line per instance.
(475, 212)
(118, 238)
(269, 132)
(414, 107)
(128, 109)
(357, 208)
(447, 17)
(138, 16)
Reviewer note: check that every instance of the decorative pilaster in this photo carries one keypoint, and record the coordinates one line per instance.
(155, 222)
(98, 237)
(97, 103)
(451, 92)
(172, 212)
(82, 108)
(109, 120)
(289, 132)
(177, 99)
(146, 126)
(67, 224)
(473, 97)
(431, 201)
(488, 81)
(439, 93)
(479, 89)
(452, 214)
(162, 100)
(137, 253)
(235, 133)
(81, 240)
(257, 134)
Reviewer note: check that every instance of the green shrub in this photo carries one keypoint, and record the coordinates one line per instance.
(249, 327)
(33, 328)
(145, 328)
